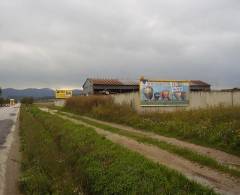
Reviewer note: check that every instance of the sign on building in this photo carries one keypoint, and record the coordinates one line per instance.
(164, 93)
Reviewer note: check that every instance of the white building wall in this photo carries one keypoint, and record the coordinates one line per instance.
(88, 88)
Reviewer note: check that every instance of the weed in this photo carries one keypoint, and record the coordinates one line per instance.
(60, 157)
(217, 127)
(180, 151)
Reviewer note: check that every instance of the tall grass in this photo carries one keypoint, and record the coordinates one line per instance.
(181, 151)
(84, 104)
(44, 168)
(60, 157)
(217, 127)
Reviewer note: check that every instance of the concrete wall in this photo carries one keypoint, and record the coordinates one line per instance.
(197, 100)
(59, 103)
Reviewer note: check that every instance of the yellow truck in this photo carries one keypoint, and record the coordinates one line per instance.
(63, 93)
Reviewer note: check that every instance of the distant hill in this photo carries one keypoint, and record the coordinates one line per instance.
(30, 92)
(77, 92)
(33, 92)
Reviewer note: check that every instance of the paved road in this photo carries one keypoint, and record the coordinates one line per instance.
(8, 119)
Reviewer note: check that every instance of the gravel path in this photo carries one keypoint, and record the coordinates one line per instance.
(220, 156)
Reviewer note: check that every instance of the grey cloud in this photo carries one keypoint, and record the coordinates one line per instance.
(60, 43)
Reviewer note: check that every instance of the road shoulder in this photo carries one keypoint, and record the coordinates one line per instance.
(13, 165)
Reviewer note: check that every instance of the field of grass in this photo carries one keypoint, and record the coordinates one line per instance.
(183, 152)
(60, 157)
(217, 127)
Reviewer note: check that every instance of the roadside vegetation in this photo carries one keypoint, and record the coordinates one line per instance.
(217, 127)
(27, 100)
(60, 157)
(4, 101)
(180, 151)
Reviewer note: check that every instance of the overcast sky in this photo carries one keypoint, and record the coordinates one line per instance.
(59, 43)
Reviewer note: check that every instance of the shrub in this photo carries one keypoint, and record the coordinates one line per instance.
(27, 100)
(4, 101)
(84, 104)
(1, 101)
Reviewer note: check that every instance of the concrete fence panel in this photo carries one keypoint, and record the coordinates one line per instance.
(197, 100)
(236, 98)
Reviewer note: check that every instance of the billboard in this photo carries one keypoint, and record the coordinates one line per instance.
(63, 93)
(164, 93)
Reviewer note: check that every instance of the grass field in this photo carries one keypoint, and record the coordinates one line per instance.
(217, 127)
(60, 157)
(180, 151)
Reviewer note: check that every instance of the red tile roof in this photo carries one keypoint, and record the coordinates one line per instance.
(112, 82)
(128, 82)
(105, 82)
(198, 82)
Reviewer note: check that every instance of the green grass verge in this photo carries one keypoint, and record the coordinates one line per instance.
(60, 157)
(216, 127)
(180, 151)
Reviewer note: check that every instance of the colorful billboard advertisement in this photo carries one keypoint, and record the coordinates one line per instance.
(63, 93)
(164, 93)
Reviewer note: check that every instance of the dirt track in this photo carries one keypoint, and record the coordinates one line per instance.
(220, 182)
(220, 156)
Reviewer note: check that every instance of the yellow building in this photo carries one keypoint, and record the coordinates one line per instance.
(63, 93)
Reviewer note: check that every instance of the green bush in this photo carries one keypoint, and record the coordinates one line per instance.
(60, 157)
(27, 100)
(1, 101)
(4, 101)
